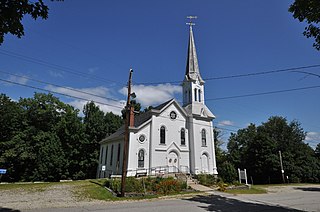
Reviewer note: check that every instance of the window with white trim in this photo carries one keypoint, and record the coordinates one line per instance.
(203, 137)
(162, 135)
(141, 158)
(183, 136)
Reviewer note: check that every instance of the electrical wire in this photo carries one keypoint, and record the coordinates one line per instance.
(293, 69)
(59, 93)
(263, 93)
(60, 86)
(58, 67)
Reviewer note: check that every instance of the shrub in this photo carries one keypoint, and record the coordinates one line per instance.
(113, 184)
(134, 185)
(206, 179)
(227, 172)
(150, 185)
(167, 186)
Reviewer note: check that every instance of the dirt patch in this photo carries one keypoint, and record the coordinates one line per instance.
(60, 195)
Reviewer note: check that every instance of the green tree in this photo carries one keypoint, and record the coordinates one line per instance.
(70, 131)
(308, 11)
(34, 152)
(257, 150)
(11, 119)
(97, 126)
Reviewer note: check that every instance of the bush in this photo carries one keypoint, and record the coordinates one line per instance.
(151, 185)
(227, 172)
(167, 186)
(134, 185)
(113, 184)
(206, 179)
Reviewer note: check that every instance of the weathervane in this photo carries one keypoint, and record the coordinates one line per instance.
(190, 20)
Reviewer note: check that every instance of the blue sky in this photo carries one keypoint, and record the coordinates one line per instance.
(101, 40)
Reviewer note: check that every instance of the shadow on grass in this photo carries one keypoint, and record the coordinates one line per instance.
(8, 210)
(308, 189)
(221, 204)
(97, 183)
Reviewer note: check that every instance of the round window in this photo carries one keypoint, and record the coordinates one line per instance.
(142, 138)
(173, 115)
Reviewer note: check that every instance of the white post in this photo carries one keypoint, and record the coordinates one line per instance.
(239, 174)
(245, 174)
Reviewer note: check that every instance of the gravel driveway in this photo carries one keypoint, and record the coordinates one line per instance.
(56, 196)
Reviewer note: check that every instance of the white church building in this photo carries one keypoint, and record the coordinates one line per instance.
(168, 138)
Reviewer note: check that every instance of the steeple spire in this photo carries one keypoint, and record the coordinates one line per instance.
(192, 68)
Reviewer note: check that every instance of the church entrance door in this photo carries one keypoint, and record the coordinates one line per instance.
(173, 162)
(204, 163)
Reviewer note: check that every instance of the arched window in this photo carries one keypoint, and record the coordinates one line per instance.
(199, 91)
(141, 158)
(203, 137)
(183, 136)
(162, 135)
(195, 94)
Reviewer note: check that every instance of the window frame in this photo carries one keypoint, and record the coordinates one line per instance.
(183, 137)
(162, 135)
(141, 158)
(203, 137)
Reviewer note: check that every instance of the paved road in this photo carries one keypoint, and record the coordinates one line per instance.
(195, 204)
(294, 198)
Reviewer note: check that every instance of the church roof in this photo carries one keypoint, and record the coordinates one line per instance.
(192, 68)
(138, 121)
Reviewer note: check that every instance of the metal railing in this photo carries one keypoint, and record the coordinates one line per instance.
(153, 171)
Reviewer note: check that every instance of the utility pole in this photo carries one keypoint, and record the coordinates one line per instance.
(282, 171)
(126, 138)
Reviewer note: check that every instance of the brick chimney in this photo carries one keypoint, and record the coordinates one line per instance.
(131, 124)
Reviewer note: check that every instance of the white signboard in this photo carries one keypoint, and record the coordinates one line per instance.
(103, 168)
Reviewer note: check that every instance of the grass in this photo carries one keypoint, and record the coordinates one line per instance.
(252, 190)
(82, 189)
(28, 187)
(92, 189)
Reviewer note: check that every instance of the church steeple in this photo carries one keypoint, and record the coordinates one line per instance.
(193, 84)
(192, 68)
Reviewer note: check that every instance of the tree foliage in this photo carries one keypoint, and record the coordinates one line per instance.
(13, 11)
(308, 11)
(257, 150)
(42, 138)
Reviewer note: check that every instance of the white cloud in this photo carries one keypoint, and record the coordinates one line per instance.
(93, 70)
(55, 74)
(102, 98)
(21, 80)
(153, 94)
(226, 123)
(313, 136)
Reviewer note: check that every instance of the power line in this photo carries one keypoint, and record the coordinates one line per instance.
(59, 93)
(263, 93)
(263, 72)
(293, 69)
(308, 73)
(57, 67)
(60, 86)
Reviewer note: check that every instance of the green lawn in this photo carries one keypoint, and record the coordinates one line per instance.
(252, 190)
(29, 187)
(82, 189)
